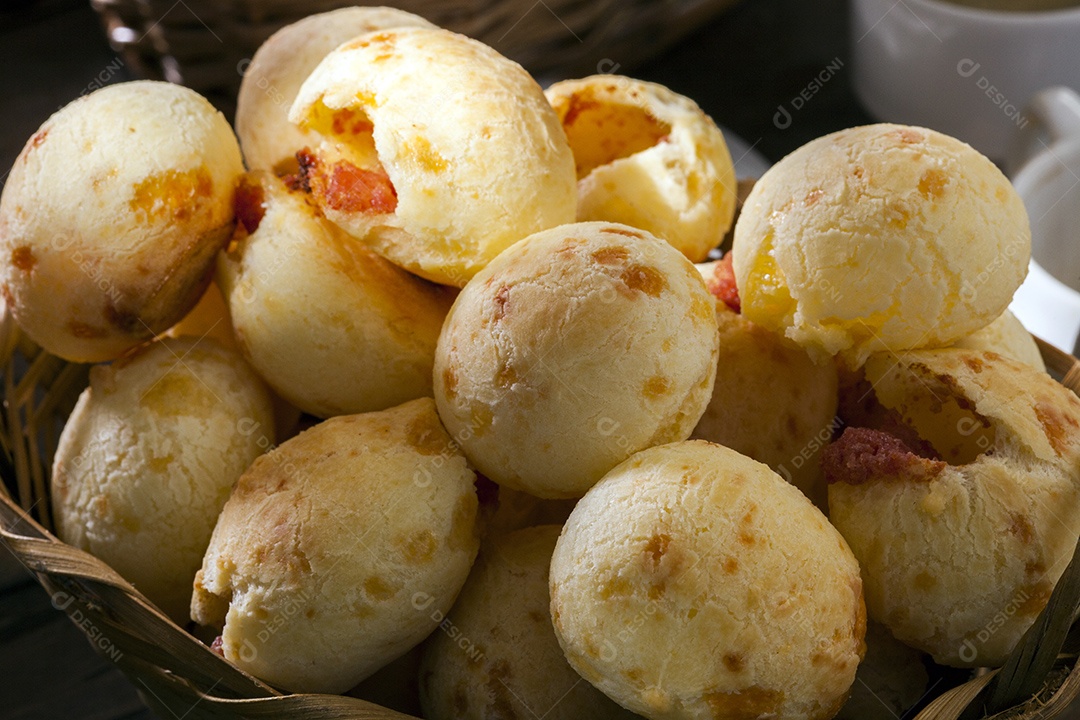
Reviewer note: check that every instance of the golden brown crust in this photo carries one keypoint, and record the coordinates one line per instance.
(365, 525)
(109, 226)
(148, 456)
(694, 582)
(572, 350)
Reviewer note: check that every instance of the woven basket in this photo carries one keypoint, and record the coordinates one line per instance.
(202, 43)
(175, 672)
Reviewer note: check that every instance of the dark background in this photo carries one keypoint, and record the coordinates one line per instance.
(740, 68)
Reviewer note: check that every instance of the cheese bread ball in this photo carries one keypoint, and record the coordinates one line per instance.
(279, 68)
(571, 351)
(112, 215)
(962, 528)
(148, 456)
(771, 401)
(883, 237)
(1006, 336)
(649, 158)
(340, 549)
(503, 660)
(331, 326)
(436, 151)
(693, 582)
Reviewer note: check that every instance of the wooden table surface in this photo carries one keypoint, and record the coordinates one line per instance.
(741, 69)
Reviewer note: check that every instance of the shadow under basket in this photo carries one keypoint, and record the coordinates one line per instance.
(175, 671)
(205, 44)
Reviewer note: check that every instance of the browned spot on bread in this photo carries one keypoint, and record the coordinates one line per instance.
(863, 455)
(249, 204)
(124, 320)
(502, 297)
(505, 376)
(377, 588)
(611, 255)
(749, 704)
(925, 581)
(387, 38)
(908, 136)
(932, 184)
(1022, 529)
(418, 547)
(645, 279)
(974, 363)
(39, 137)
(624, 233)
(1055, 425)
(426, 436)
(812, 197)
(731, 565)
(1034, 597)
(171, 194)
(657, 589)
(734, 662)
(615, 586)
(450, 381)
(656, 386)
(460, 700)
(23, 258)
(657, 546)
(575, 105)
(502, 703)
(86, 332)
(481, 417)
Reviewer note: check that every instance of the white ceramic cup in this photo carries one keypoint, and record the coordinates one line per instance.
(964, 71)
(1048, 179)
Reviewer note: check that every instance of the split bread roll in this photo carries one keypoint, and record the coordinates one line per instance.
(502, 660)
(334, 328)
(694, 582)
(649, 158)
(959, 492)
(572, 350)
(340, 549)
(883, 237)
(771, 401)
(436, 151)
(112, 215)
(279, 68)
(148, 457)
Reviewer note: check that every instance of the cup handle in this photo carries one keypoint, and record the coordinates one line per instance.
(1052, 115)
